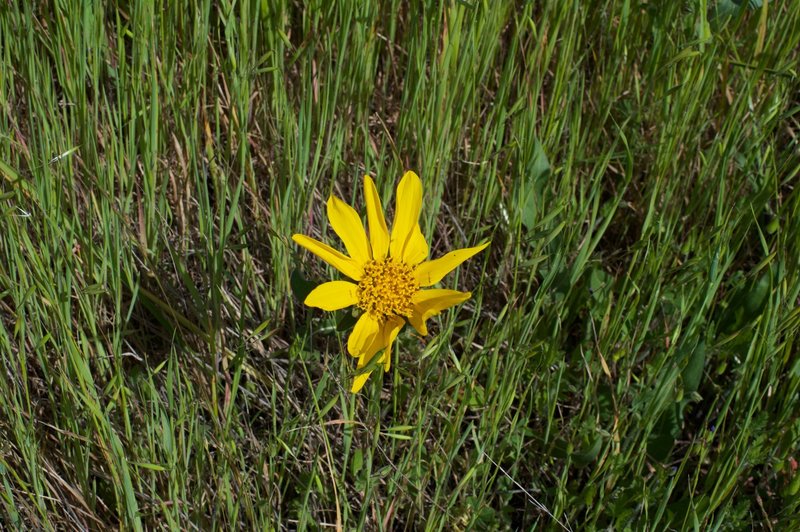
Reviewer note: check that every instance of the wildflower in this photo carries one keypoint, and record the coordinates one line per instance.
(389, 271)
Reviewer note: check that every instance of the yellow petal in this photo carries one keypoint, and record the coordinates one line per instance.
(341, 262)
(333, 295)
(428, 303)
(390, 332)
(361, 378)
(359, 381)
(347, 224)
(416, 248)
(363, 338)
(432, 271)
(407, 206)
(378, 233)
(382, 341)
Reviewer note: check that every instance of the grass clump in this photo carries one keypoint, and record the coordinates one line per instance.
(629, 356)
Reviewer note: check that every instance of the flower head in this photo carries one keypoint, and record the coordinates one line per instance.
(388, 270)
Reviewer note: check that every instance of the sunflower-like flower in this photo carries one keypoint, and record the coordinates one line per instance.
(388, 270)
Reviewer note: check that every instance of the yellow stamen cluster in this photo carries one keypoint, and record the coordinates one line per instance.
(386, 289)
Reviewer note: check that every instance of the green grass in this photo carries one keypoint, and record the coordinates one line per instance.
(629, 358)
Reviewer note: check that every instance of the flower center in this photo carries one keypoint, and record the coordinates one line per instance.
(386, 288)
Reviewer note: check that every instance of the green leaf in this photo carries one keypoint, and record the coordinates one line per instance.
(667, 429)
(588, 452)
(8, 172)
(724, 10)
(531, 190)
(347, 321)
(693, 372)
(477, 396)
(746, 304)
(599, 284)
(357, 462)
(301, 287)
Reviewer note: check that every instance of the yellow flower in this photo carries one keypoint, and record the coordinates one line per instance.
(389, 272)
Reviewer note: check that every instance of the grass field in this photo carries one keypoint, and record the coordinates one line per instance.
(629, 358)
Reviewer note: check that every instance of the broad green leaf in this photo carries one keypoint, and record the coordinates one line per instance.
(532, 185)
(301, 286)
(746, 304)
(693, 372)
(588, 452)
(667, 429)
(724, 10)
(347, 321)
